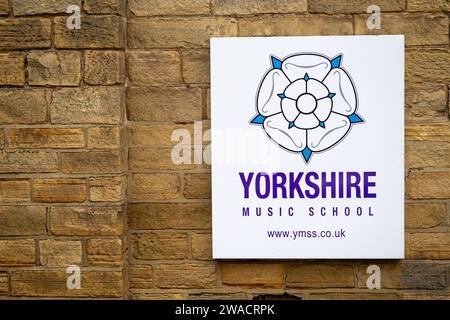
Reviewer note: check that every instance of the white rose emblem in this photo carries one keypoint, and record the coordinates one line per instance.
(306, 103)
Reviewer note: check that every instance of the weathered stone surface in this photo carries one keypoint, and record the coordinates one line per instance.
(418, 29)
(143, 8)
(4, 7)
(105, 252)
(158, 158)
(45, 138)
(61, 68)
(425, 101)
(360, 6)
(428, 185)
(104, 67)
(253, 274)
(86, 105)
(105, 32)
(23, 106)
(201, 246)
(427, 65)
(107, 189)
(156, 296)
(154, 216)
(185, 275)
(420, 215)
(428, 6)
(372, 295)
(140, 276)
(407, 275)
(220, 296)
(14, 190)
(154, 186)
(87, 221)
(30, 7)
(95, 162)
(104, 6)
(53, 283)
(168, 104)
(427, 132)
(17, 252)
(228, 7)
(25, 33)
(427, 154)
(325, 275)
(12, 66)
(22, 221)
(4, 284)
(160, 246)
(60, 253)
(59, 190)
(26, 161)
(104, 138)
(178, 32)
(197, 185)
(292, 25)
(428, 246)
(421, 295)
(160, 134)
(154, 68)
(196, 67)
(2, 139)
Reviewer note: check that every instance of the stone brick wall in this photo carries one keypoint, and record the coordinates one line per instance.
(86, 176)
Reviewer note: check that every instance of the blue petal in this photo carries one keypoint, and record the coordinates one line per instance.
(355, 118)
(276, 63)
(291, 124)
(306, 153)
(322, 124)
(331, 95)
(336, 62)
(281, 95)
(306, 77)
(259, 119)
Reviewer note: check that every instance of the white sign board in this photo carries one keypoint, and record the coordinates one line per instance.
(307, 147)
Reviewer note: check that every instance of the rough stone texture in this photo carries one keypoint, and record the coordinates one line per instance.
(45, 138)
(424, 215)
(14, 190)
(54, 68)
(154, 186)
(17, 252)
(427, 246)
(428, 6)
(22, 221)
(104, 6)
(427, 65)
(104, 138)
(178, 32)
(59, 190)
(158, 134)
(354, 296)
(201, 246)
(174, 104)
(86, 221)
(105, 252)
(316, 275)
(86, 105)
(428, 185)
(105, 32)
(23, 106)
(157, 158)
(160, 246)
(154, 68)
(185, 275)
(426, 102)
(154, 216)
(104, 67)
(197, 186)
(144, 8)
(28, 161)
(418, 29)
(232, 7)
(4, 286)
(4, 7)
(31, 7)
(427, 132)
(292, 25)
(108, 189)
(358, 6)
(95, 162)
(427, 154)
(253, 275)
(25, 33)
(60, 253)
(140, 276)
(12, 67)
(52, 283)
(196, 66)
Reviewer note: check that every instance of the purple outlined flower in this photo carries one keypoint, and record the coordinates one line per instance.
(306, 103)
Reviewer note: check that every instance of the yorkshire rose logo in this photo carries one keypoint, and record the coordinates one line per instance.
(307, 103)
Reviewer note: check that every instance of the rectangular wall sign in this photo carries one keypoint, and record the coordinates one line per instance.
(307, 147)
